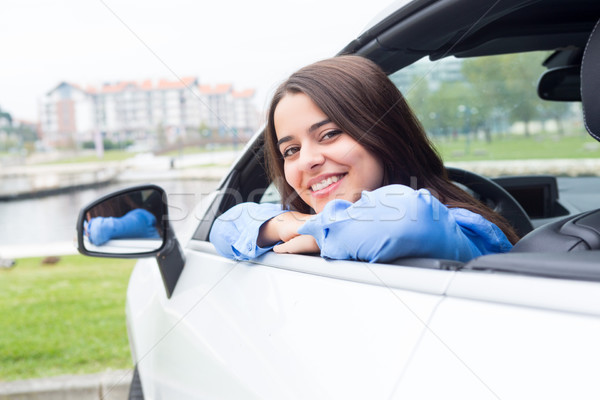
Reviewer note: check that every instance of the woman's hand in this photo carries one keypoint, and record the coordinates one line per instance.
(301, 244)
(284, 227)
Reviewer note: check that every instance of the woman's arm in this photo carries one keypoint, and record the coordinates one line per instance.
(248, 230)
(301, 244)
(281, 228)
(137, 223)
(390, 222)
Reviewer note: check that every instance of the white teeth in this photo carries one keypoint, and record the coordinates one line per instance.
(325, 182)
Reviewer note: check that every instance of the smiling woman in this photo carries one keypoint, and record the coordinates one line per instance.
(358, 178)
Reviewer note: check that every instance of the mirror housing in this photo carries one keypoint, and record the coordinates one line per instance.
(132, 223)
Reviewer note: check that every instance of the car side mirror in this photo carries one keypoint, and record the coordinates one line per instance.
(132, 223)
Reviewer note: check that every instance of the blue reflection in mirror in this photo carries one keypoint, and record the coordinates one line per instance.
(125, 224)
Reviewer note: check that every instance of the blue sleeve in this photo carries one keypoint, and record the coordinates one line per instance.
(485, 235)
(234, 234)
(138, 223)
(390, 222)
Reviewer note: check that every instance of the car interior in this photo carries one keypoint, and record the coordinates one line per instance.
(573, 73)
(582, 231)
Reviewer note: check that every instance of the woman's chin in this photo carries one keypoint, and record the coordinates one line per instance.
(318, 203)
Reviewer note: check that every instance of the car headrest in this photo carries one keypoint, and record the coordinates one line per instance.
(590, 83)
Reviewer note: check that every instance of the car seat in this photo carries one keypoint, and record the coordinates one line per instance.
(581, 231)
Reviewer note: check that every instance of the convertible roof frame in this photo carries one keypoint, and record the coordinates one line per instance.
(463, 28)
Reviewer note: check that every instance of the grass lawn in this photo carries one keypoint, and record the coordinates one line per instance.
(519, 147)
(65, 318)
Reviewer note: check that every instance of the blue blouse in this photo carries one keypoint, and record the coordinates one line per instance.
(390, 222)
(137, 223)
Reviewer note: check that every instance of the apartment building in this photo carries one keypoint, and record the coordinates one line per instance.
(67, 113)
(158, 113)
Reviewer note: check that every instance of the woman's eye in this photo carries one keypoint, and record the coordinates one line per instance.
(330, 134)
(290, 151)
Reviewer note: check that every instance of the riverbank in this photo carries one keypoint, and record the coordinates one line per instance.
(33, 181)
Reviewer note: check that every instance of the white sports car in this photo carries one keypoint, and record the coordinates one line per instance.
(520, 325)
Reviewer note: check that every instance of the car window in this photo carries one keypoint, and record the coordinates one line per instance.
(271, 195)
(487, 108)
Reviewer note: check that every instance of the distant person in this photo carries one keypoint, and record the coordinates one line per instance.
(358, 178)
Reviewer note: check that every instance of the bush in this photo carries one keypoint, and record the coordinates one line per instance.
(108, 144)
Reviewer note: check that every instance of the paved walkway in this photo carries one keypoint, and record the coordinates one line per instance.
(14, 251)
(558, 167)
(111, 385)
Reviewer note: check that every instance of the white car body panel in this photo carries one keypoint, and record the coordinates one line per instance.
(265, 332)
(312, 328)
(481, 350)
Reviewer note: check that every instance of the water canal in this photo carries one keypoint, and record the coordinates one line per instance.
(52, 219)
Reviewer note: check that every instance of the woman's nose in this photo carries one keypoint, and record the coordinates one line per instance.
(311, 157)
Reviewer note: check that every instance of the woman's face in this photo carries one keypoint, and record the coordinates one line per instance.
(321, 162)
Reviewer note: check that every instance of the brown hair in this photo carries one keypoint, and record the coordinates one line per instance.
(357, 96)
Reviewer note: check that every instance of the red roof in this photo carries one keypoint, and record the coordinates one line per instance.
(177, 84)
(146, 85)
(117, 87)
(218, 89)
(243, 94)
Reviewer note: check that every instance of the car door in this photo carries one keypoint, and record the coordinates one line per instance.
(283, 326)
(508, 336)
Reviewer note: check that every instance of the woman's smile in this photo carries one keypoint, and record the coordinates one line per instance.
(326, 183)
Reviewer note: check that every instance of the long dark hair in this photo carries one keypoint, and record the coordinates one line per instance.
(357, 96)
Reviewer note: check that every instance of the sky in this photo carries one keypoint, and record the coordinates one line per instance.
(251, 44)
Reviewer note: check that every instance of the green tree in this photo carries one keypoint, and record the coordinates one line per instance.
(203, 130)
(555, 110)
(6, 127)
(6, 116)
(489, 90)
(27, 133)
(506, 85)
(161, 135)
(451, 104)
(446, 110)
(522, 72)
(418, 96)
